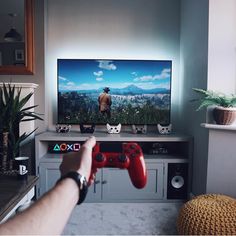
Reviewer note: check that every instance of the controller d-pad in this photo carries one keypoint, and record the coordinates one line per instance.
(99, 157)
(122, 158)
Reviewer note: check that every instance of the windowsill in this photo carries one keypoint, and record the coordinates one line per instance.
(219, 127)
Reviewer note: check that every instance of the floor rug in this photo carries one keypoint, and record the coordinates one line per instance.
(123, 219)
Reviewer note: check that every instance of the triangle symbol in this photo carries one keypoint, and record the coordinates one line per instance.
(56, 148)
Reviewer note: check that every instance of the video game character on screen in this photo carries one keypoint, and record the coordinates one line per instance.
(105, 102)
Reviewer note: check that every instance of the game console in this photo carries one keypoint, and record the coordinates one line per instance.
(121, 155)
(87, 128)
(139, 129)
(112, 129)
(63, 128)
(164, 129)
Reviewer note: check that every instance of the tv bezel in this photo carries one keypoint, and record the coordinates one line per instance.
(108, 59)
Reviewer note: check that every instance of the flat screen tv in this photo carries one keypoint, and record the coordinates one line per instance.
(100, 91)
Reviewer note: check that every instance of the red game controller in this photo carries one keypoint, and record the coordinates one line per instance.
(124, 156)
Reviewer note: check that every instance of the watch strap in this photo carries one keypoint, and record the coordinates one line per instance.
(81, 182)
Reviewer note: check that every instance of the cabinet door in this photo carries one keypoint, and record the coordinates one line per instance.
(49, 173)
(94, 191)
(117, 186)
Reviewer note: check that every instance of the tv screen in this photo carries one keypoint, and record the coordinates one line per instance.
(94, 91)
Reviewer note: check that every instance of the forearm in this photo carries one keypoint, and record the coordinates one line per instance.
(47, 216)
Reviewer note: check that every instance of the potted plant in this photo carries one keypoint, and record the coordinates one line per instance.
(13, 111)
(224, 112)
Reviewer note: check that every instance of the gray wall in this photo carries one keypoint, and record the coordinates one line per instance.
(193, 73)
(122, 29)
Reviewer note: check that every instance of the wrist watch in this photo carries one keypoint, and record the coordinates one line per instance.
(81, 182)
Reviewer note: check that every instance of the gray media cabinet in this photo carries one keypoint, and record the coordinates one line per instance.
(113, 185)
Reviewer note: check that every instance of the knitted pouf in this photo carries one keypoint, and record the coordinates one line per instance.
(209, 214)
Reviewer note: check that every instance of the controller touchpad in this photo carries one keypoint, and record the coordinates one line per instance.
(112, 147)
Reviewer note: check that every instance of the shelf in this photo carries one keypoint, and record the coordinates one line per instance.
(104, 136)
(219, 127)
(51, 157)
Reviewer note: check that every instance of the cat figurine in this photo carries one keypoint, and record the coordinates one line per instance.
(63, 128)
(112, 129)
(139, 129)
(164, 129)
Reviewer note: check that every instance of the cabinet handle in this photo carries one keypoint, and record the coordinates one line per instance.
(104, 182)
(97, 182)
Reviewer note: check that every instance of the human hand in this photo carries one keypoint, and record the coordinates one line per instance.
(80, 161)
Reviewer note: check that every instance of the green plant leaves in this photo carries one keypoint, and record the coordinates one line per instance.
(211, 98)
(13, 110)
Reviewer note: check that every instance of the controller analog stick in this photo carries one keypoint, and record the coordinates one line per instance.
(99, 157)
(122, 158)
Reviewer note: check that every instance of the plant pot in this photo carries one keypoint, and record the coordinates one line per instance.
(224, 115)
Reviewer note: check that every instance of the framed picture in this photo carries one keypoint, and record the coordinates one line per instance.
(19, 55)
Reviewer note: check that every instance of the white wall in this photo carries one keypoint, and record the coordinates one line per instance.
(222, 46)
(121, 29)
(193, 73)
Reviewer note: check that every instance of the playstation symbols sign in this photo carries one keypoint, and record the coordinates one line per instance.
(63, 147)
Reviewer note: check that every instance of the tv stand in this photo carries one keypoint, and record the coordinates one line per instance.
(161, 153)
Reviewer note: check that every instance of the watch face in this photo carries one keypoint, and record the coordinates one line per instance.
(83, 182)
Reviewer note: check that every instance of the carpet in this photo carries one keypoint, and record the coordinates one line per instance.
(123, 219)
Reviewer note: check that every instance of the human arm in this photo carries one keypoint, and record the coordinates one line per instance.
(50, 213)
